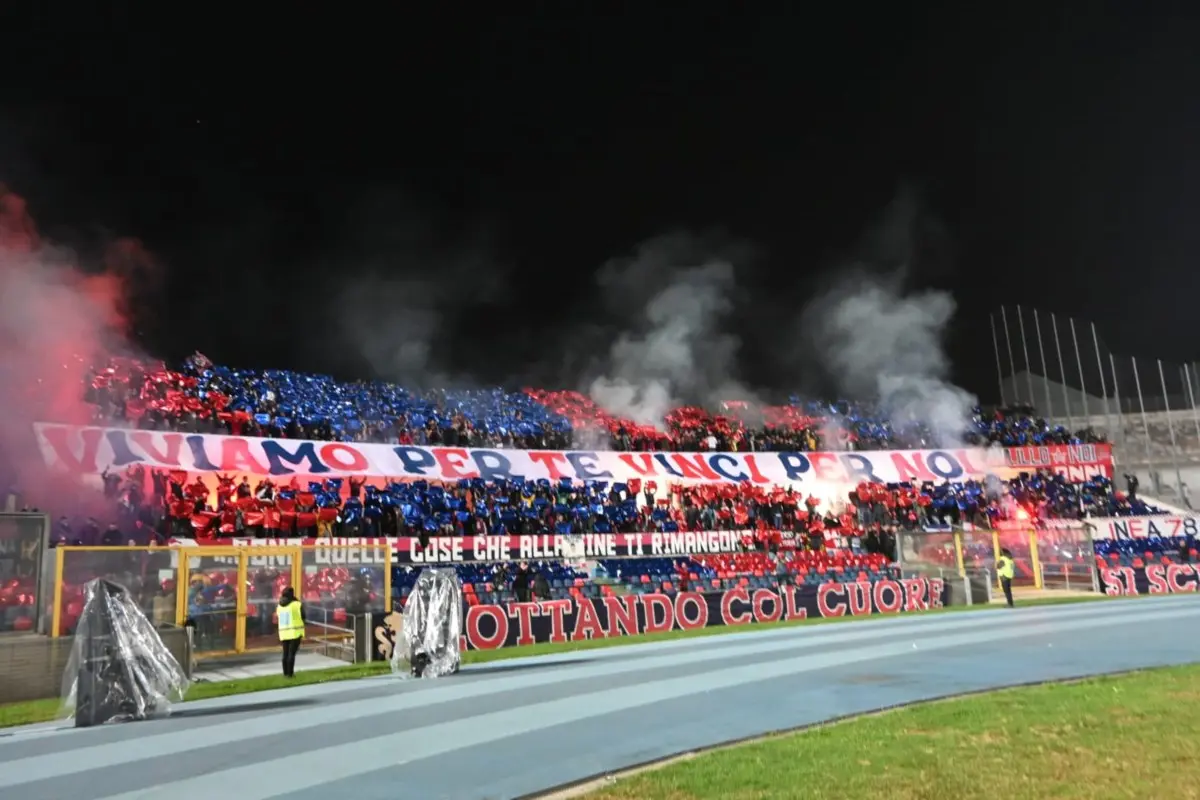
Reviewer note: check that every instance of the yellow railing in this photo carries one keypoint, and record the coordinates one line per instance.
(227, 593)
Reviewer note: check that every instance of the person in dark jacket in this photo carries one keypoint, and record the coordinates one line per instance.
(541, 587)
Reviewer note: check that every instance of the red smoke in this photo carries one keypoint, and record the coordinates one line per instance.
(57, 320)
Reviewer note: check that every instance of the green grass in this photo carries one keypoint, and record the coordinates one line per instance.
(1127, 736)
(42, 710)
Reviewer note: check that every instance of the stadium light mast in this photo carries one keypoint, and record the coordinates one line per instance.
(1062, 370)
(1025, 351)
(996, 350)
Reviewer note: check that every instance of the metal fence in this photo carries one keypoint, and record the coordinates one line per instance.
(23, 539)
(227, 595)
(1043, 559)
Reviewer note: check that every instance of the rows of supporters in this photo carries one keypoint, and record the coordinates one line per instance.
(144, 505)
(206, 398)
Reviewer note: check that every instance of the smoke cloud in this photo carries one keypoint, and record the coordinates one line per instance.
(671, 301)
(875, 339)
(56, 321)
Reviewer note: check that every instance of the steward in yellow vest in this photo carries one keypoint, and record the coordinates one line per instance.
(290, 616)
(1005, 570)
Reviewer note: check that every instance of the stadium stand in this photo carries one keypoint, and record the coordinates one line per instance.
(787, 537)
(205, 398)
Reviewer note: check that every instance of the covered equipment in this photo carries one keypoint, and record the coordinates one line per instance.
(429, 641)
(119, 668)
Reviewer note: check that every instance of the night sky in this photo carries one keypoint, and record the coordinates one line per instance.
(485, 166)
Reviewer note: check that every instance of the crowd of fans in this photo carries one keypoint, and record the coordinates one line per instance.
(202, 397)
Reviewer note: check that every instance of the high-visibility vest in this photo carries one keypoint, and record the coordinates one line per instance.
(1004, 567)
(291, 624)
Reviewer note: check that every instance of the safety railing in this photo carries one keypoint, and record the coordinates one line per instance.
(228, 595)
(1070, 577)
(1038, 554)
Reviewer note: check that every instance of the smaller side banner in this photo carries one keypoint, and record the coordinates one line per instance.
(518, 624)
(1150, 579)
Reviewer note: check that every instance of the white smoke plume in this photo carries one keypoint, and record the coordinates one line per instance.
(878, 341)
(674, 351)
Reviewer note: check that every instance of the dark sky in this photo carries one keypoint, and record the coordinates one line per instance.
(505, 156)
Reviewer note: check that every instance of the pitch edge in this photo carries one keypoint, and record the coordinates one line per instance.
(583, 786)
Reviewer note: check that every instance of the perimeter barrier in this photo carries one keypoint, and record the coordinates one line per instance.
(228, 595)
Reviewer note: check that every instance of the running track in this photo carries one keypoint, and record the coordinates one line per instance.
(523, 726)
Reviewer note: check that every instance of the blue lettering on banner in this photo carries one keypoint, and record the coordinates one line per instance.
(944, 466)
(720, 459)
(586, 467)
(666, 464)
(795, 465)
(859, 468)
(122, 455)
(277, 454)
(492, 465)
(199, 456)
(416, 461)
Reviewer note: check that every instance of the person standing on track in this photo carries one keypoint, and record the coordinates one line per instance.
(290, 615)
(1004, 569)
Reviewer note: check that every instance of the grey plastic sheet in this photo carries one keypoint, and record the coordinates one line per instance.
(433, 626)
(129, 673)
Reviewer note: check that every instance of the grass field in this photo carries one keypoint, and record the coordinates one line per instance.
(1129, 736)
(43, 710)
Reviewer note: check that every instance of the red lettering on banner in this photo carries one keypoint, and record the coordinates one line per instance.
(587, 621)
(761, 598)
(237, 457)
(694, 467)
(475, 634)
(57, 439)
(558, 618)
(1136, 529)
(752, 464)
(794, 611)
(524, 616)
(727, 615)
(1156, 579)
(1174, 574)
(914, 589)
(1111, 578)
(145, 442)
(885, 604)
(685, 620)
(937, 587)
(658, 601)
(622, 615)
(550, 460)
(452, 461)
(826, 467)
(914, 471)
(823, 599)
(859, 594)
(645, 469)
(355, 461)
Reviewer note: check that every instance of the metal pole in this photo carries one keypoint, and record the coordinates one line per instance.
(1062, 372)
(1082, 384)
(1192, 398)
(1100, 369)
(1112, 366)
(996, 349)
(1037, 326)
(1137, 382)
(1025, 351)
(1162, 379)
(1012, 362)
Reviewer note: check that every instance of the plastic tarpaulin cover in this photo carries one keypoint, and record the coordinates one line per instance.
(129, 673)
(429, 645)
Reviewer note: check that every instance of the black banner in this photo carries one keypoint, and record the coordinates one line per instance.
(516, 624)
